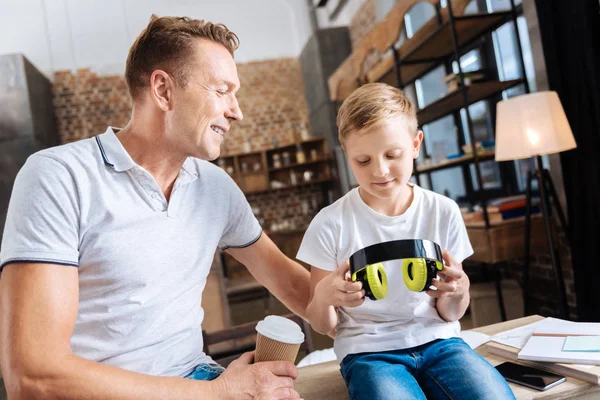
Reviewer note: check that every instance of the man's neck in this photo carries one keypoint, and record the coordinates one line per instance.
(150, 149)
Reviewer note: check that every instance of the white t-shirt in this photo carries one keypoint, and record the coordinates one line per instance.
(142, 261)
(404, 318)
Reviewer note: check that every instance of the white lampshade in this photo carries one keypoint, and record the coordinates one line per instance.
(531, 125)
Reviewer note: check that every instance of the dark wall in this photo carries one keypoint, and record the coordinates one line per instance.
(321, 56)
(570, 32)
(27, 121)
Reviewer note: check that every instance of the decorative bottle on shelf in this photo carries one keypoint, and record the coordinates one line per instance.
(300, 156)
(293, 178)
(276, 161)
(304, 133)
(246, 146)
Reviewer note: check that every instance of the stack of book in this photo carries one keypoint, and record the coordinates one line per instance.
(512, 206)
(502, 209)
(560, 346)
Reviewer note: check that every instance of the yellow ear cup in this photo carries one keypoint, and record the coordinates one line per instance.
(377, 280)
(414, 272)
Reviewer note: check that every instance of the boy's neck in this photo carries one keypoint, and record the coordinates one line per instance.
(390, 207)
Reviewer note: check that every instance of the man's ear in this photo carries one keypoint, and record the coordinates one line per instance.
(161, 89)
(418, 139)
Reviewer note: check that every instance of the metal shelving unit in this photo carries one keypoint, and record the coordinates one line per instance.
(443, 39)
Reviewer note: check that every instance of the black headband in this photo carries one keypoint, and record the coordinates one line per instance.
(394, 250)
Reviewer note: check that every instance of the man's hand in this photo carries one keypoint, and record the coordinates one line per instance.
(271, 380)
(338, 290)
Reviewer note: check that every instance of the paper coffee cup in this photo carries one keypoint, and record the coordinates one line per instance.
(278, 339)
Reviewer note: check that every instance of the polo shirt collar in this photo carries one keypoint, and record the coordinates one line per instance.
(113, 152)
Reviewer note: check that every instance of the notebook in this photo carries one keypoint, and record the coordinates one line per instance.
(561, 327)
(582, 343)
(550, 349)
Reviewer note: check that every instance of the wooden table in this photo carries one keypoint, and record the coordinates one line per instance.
(323, 381)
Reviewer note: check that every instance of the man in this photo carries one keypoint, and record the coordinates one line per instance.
(109, 240)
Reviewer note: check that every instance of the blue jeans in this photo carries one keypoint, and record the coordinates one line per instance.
(205, 372)
(442, 369)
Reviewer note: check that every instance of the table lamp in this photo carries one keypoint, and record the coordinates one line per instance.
(533, 125)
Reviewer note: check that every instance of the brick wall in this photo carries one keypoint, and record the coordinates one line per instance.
(86, 104)
(297, 206)
(271, 98)
(543, 289)
(362, 22)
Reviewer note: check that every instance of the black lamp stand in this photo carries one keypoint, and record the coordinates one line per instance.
(548, 200)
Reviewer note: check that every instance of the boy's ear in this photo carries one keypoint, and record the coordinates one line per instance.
(418, 139)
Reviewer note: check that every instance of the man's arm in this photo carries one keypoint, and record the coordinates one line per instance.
(285, 278)
(38, 307)
(38, 310)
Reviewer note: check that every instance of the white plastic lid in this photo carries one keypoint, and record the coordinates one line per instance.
(280, 329)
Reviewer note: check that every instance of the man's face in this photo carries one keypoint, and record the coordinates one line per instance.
(203, 111)
(381, 158)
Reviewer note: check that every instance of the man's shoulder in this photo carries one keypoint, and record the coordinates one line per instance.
(70, 154)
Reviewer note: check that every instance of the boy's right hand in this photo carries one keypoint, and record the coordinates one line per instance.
(338, 290)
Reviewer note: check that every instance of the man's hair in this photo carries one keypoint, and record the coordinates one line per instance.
(371, 104)
(167, 43)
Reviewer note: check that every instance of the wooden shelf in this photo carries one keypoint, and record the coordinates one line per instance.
(384, 71)
(432, 44)
(294, 165)
(292, 146)
(252, 173)
(438, 43)
(467, 159)
(504, 240)
(257, 181)
(455, 101)
(314, 181)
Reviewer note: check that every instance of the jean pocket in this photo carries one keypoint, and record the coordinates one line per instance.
(206, 372)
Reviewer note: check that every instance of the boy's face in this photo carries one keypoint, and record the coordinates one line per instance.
(381, 157)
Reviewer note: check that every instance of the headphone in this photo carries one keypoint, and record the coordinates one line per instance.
(422, 259)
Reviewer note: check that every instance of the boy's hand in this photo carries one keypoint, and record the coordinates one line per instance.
(452, 280)
(338, 290)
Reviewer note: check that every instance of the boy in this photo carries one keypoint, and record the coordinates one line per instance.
(406, 345)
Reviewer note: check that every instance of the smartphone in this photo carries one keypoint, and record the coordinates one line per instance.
(529, 376)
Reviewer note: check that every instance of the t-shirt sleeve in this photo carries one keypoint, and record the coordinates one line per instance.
(459, 245)
(319, 245)
(242, 228)
(42, 223)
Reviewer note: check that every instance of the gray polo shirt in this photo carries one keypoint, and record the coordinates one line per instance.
(142, 262)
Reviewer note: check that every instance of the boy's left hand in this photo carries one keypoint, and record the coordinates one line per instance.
(451, 281)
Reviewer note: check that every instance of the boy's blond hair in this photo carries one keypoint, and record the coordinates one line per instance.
(373, 103)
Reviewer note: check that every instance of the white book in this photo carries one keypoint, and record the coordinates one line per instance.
(561, 327)
(550, 349)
